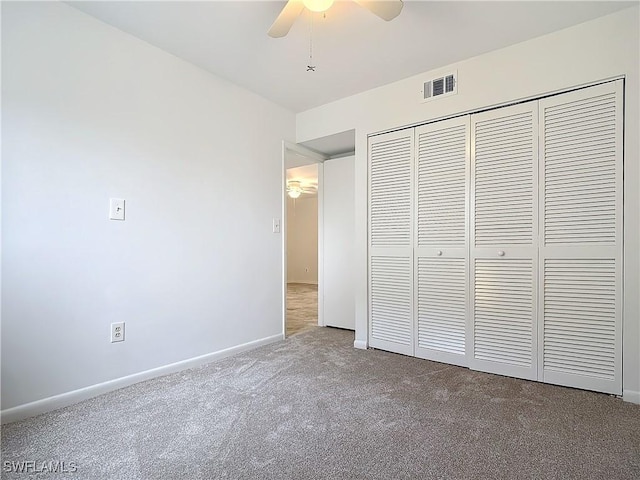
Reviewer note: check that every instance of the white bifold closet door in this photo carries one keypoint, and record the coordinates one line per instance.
(441, 254)
(390, 249)
(496, 240)
(502, 337)
(581, 238)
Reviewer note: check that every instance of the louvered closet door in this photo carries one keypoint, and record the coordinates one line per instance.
(441, 256)
(504, 177)
(581, 244)
(390, 248)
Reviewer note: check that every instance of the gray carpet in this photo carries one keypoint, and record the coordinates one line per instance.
(313, 407)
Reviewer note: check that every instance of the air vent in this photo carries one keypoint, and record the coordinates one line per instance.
(438, 86)
(441, 86)
(449, 83)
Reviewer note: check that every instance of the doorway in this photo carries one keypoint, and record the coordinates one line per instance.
(302, 248)
(326, 296)
(302, 218)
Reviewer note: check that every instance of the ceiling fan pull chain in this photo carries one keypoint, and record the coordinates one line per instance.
(311, 67)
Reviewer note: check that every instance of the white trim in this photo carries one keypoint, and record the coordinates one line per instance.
(69, 398)
(321, 245)
(360, 344)
(283, 233)
(631, 396)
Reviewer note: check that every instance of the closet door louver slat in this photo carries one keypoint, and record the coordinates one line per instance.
(441, 178)
(504, 175)
(390, 192)
(441, 254)
(577, 289)
(442, 287)
(581, 227)
(390, 237)
(577, 186)
(391, 300)
(503, 300)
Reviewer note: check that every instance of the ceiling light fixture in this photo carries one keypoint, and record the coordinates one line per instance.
(386, 10)
(294, 189)
(318, 5)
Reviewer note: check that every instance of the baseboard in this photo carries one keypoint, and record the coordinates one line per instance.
(360, 344)
(631, 396)
(55, 402)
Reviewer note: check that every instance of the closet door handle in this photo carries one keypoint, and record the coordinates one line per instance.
(439, 253)
(501, 253)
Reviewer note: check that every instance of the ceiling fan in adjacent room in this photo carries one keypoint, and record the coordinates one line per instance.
(385, 9)
(295, 188)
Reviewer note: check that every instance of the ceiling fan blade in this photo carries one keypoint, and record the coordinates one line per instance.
(385, 9)
(285, 20)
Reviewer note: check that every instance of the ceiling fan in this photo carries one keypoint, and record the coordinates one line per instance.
(385, 9)
(295, 188)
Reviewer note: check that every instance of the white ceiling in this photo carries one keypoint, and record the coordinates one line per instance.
(353, 50)
(305, 174)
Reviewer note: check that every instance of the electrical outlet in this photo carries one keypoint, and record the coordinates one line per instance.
(117, 332)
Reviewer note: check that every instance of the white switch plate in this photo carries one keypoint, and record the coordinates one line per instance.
(116, 209)
(117, 332)
(276, 225)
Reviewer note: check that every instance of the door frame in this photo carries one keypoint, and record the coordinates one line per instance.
(317, 158)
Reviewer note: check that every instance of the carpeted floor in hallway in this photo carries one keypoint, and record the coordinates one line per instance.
(302, 307)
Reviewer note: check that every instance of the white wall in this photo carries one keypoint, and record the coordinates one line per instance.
(339, 242)
(91, 113)
(302, 239)
(590, 52)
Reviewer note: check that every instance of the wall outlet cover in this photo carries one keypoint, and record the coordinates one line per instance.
(117, 332)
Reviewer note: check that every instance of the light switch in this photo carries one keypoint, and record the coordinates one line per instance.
(276, 225)
(116, 209)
